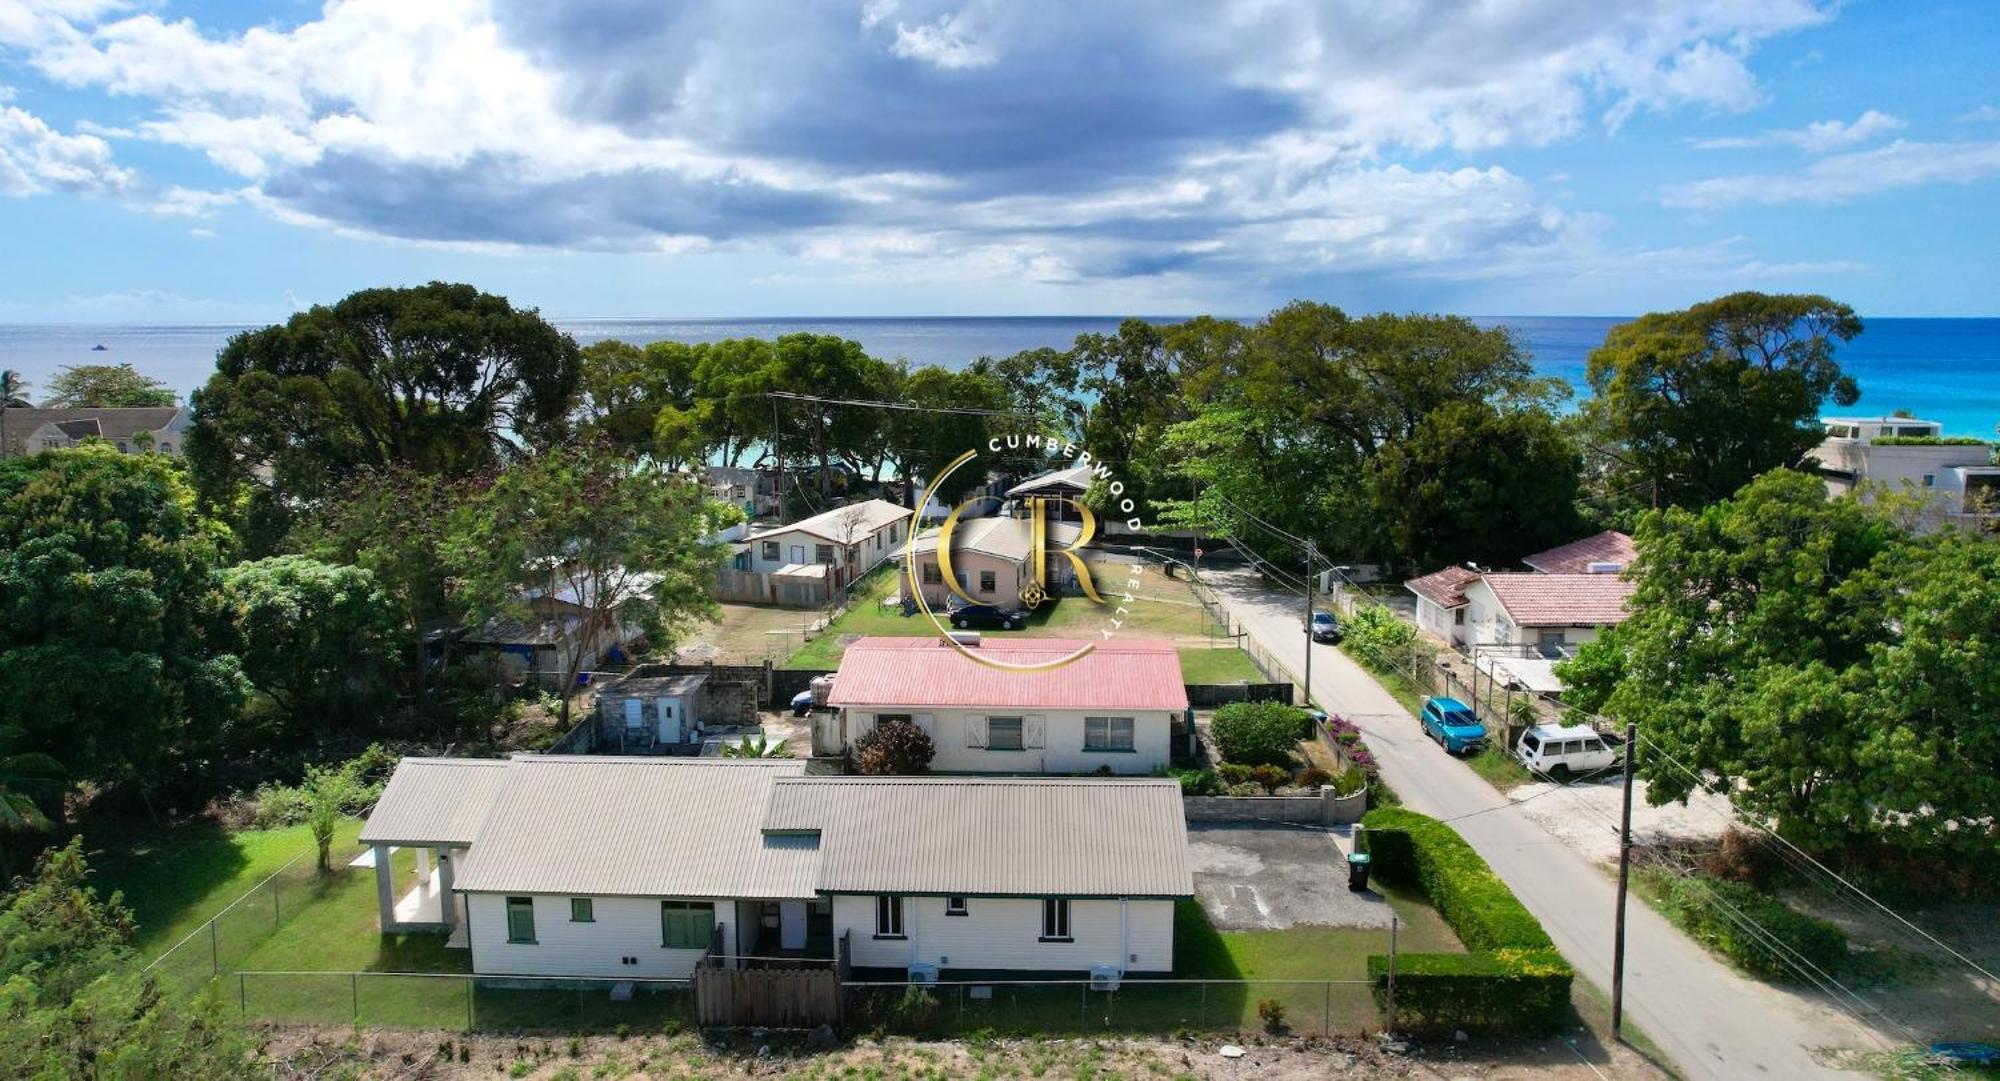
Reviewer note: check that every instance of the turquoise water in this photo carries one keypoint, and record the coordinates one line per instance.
(1946, 370)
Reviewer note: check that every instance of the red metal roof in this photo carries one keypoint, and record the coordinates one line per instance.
(1126, 674)
(1576, 557)
(1445, 587)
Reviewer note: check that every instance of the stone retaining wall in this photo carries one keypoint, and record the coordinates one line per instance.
(1325, 809)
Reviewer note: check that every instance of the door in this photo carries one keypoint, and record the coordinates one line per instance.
(670, 720)
(792, 925)
(798, 553)
(632, 718)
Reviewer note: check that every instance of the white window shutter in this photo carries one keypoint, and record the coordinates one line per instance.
(975, 731)
(864, 723)
(1031, 730)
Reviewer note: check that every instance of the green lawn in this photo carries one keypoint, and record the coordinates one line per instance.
(1232, 665)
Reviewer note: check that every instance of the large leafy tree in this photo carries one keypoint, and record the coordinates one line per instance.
(627, 541)
(13, 390)
(1831, 672)
(76, 1001)
(1473, 482)
(1689, 406)
(439, 378)
(626, 387)
(116, 651)
(926, 441)
(317, 639)
(105, 386)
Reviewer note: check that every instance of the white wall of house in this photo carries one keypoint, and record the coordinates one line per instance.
(1053, 740)
(1486, 623)
(1005, 932)
(622, 927)
(799, 546)
(1446, 623)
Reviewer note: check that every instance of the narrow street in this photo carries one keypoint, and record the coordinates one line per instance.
(1709, 1020)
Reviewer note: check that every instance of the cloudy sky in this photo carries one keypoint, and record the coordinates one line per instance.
(222, 160)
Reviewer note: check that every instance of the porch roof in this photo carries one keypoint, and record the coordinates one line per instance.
(434, 801)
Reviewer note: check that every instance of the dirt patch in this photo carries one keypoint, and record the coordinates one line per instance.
(1584, 816)
(748, 634)
(319, 1053)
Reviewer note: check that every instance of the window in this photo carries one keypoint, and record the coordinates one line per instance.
(521, 920)
(1003, 733)
(771, 553)
(1930, 480)
(1055, 920)
(581, 911)
(893, 532)
(1107, 733)
(888, 917)
(954, 906)
(823, 553)
(686, 925)
(986, 582)
(1458, 616)
(1531, 743)
(932, 575)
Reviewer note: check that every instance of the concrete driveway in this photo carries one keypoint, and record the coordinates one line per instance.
(1254, 876)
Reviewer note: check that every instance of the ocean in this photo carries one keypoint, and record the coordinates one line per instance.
(1947, 370)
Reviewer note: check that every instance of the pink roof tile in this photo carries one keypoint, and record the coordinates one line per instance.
(1576, 557)
(1445, 587)
(1118, 674)
(1561, 600)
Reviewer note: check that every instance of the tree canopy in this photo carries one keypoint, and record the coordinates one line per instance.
(105, 386)
(316, 637)
(1829, 669)
(1691, 405)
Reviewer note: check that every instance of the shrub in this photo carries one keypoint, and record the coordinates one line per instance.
(1272, 1013)
(1233, 773)
(1376, 638)
(1254, 733)
(894, 748)
(1351, 780)
(1312, 777)
(1735, 919)
(1247, 788)
(1269, 777)
(1198, 782)
(1743, 857)
(1512, 980)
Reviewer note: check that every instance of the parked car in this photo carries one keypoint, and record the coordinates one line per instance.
(988, 615)
(1453, 725)
(1324, 627)
(802, 702)
(1577, 748)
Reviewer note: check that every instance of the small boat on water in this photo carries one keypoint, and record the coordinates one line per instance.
(99, 348)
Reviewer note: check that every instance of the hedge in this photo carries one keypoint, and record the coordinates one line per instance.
(1696, 903)
(1513, 980)
(1259, 733)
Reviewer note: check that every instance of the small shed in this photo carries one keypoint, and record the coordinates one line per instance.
(646, 712)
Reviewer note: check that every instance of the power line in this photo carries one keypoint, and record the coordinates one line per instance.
(911, 407)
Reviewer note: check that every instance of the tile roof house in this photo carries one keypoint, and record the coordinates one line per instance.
(1117, 707)
(133, 431)
(1441, 601)
(636, 867)
(1582, 591)
(1609, 552)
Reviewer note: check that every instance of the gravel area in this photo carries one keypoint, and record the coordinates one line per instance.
(1585, 816)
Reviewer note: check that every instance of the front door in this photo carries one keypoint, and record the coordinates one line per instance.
(798, 553)
(792, 925)
(670, 720)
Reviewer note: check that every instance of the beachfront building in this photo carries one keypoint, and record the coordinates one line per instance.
(1955, 479)
(154, 430)
(643, 868)
(1121, 708)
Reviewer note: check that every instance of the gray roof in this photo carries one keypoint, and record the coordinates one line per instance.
(652, 686)
(1011, 539)
(1076, 476)
(643, 827)
(849, 524)
(1027, 837)
(435, 801)
(17, 424)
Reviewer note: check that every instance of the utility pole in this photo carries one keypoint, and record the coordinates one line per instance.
(1309, 624)
(780, 459)
(1624, 873)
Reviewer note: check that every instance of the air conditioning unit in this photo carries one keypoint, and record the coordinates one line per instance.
(1105, 977)
(1604, 568)
(923, 974)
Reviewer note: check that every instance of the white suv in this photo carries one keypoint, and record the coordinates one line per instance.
(1577, 747)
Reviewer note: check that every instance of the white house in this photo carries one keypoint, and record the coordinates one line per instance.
(1115, 708)
(637, 868)
(1444, 597)
(148, 429)
(1441, 602)
(1550, 613)
(991, 559)
(850, 540)
(1957, 478)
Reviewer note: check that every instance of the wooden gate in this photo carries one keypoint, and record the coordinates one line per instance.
(767, 997)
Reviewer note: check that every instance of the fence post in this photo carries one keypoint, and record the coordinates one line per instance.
(1392, 975)
(354, 990)
(468, 1004)
(1326, 1026)
(214, 953)
(242, 998)
(1202, 1019)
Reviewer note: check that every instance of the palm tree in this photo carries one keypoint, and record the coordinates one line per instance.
(26, 778)
(13, 390)
(754, 747)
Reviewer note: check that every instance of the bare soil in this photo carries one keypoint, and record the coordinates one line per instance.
(298, 1052)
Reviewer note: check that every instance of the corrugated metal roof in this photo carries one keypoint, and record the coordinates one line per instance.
(647, 827)
(1576, 557)
(438, 801)
(865, 517)
(1561, 600)
(1040, 837)
(1120, 673)
(1075, 476)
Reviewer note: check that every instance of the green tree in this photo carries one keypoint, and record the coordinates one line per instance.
(438, 378)
(1689, 406)
(1814, 661)
(926, 441)
(626, 388)
(317, 638)
(626, 542)
(116, 652)
(105, 386)
(77, 1004)
(1472, 482)
(13, 390)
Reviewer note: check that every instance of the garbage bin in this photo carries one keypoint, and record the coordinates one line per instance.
(1357, 871)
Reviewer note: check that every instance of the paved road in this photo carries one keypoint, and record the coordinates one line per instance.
(1709, 1020)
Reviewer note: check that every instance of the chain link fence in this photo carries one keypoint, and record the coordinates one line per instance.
(219, 946)
(461, 1002)
(1073, 1007)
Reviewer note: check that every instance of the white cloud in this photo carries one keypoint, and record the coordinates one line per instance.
(1820, 137)
(35, 157)
(1981, 115)
(1843, 177)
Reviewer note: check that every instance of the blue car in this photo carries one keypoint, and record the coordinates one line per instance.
(1452, 724)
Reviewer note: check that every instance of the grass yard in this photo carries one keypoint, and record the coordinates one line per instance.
(1200, 665)
(1160, 608)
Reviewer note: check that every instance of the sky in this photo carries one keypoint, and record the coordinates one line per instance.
(221, 161)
